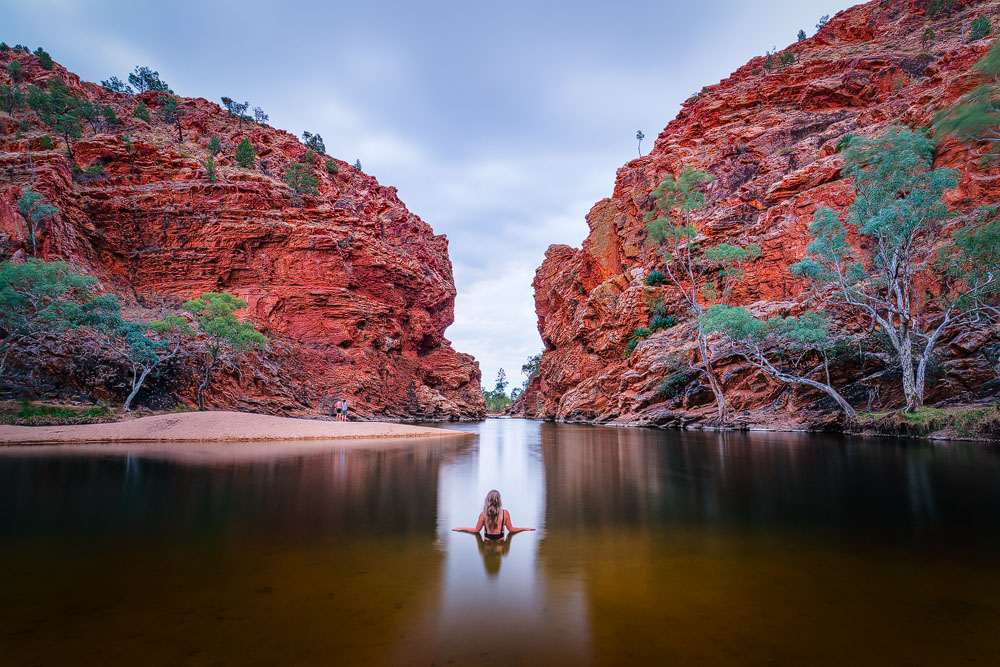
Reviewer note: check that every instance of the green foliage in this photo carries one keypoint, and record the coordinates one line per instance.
(300, 178)
(11, 99)
(310, 157)
(45, 142)
(245, 154)
(674, 383)
(357, 164)
(38, 299)
(32, 206)
(221, 335)
(59, 108)
(934, 7)
(15, 71)
(110, 119)
(801, 35)
(980, 27)
(142, 345)
(314, 141)
(674, 200)
(895, 213)
(143, 79)
(95, 169)
(127, 142)
(663, 322)
(635, 337)
(926, 38)
(769, 63)
(209, 165)
(116, 85)
(170, 112)
(655, 278)
(497, 399)
(823, 20)
(786, 58)
(237, 109)
(331, 166)
(214, 146)
(259, 116)
(30, 411)
(44, 59)
(4, 48)
(141, 111)
(530, 368)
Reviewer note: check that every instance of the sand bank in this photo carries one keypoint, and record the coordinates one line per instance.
(214, 427)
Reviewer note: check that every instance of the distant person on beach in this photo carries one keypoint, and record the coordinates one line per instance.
(343, 410)
(336, 410)
(494, 518)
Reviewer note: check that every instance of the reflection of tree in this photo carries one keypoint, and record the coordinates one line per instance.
(324, 494)
(493, 552)
(599, 477)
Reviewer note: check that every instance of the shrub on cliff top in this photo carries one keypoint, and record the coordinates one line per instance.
(331, 166)
(16, 71)
(144, 79)
(44, 59)
(116, 85)
(170, 112)
(314, 141)
(245, 154)
(801, 35)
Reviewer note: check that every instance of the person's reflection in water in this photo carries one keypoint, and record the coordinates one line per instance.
(493, 552)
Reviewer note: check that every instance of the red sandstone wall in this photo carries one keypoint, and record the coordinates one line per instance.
(354, 291)
(769, 140)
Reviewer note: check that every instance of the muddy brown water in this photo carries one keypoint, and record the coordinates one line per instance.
(652, 547)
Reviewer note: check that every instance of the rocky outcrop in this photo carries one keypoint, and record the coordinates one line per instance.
(353, 290)
(770, 141)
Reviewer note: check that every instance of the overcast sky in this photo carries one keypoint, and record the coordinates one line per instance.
(500, 123)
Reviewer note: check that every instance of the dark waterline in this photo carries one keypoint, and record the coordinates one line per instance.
(652, 546)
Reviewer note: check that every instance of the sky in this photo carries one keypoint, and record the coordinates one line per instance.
(501, 124)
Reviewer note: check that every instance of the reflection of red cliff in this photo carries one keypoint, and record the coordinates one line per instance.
(770, 141)
(354, 291)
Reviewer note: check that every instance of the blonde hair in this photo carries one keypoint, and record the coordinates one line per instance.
(492, 509)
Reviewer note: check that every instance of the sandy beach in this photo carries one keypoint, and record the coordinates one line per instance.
(215, 427)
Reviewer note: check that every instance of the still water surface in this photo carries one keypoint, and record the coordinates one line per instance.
(652, 547)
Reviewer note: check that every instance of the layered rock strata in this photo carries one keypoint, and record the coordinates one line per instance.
(353, 290)
(770, 140)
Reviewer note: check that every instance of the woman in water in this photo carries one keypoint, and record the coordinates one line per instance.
(493, 518)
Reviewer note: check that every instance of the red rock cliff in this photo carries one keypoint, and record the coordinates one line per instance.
(770, 141)
(354, 291)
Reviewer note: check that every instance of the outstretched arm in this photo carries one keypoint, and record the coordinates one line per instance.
(479, 526)
(512, 529)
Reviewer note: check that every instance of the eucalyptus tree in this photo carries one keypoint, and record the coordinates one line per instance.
(171, 113)
(792, 350)
(35, 210)
(669, 225)
(221, 338)
(59, 108)
(143, 79)
(144, 346)
(38, 299)
(639, 136)
(886, 261)
(975, 117)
